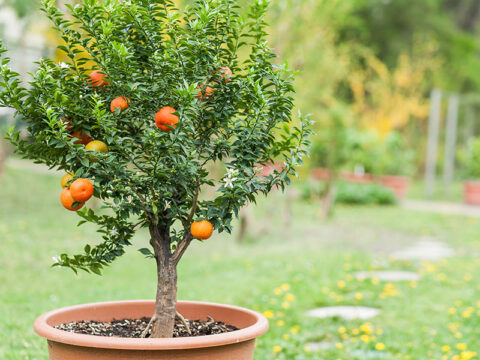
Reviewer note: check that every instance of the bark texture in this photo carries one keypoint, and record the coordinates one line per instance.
(163, 320)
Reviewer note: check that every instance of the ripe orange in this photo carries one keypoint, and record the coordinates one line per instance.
(165, 117)
(97, 79)
(66, 179)
(205, 92)
(226, 73)
(119, 103)
(83, 137)
(81, 190)
(201, 229)
(68, 201)
(97, 145)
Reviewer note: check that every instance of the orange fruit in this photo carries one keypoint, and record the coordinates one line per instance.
(226, 73)
(201, 229)
(119, 103)
(83, 138)
(205, 92)
(97, 79)
(166, 117)
(97, 145)
(81, 190)
(68, 201)
(66, 179)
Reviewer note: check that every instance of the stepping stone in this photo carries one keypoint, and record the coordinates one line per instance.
(319, 346)
(425, 249)
(390, 276)
(344, 312)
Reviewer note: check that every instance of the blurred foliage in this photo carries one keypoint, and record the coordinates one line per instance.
(364, 194)
(395, 157)
(331, 145)
(378, 59)
(470, 159)
(23, 8)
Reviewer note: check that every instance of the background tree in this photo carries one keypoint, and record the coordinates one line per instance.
(181, 113)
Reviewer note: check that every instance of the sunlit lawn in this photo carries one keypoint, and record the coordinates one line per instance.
(281, 271)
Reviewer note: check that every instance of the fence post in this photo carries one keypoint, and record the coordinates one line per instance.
(450, 141)
(432, 142)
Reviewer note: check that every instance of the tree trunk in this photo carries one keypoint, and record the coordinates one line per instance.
(163, 320)
(328, 199)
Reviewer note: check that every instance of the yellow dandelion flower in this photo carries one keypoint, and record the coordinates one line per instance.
(268, 314)
(341, 284)
(290, 297)
(280, 323)
(379, 346)
(295, 329)
(286, 336)
(366, 328)
(285, 287)
(446, 348)
(452, 311)
(285, 305)
(342, 330)
(365, 338)
(277, 348)
(339, 345)
(278, 291)
(358, 296)
(461, 346)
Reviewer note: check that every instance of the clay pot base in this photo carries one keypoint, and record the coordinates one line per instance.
(134, 328)
(235, 345)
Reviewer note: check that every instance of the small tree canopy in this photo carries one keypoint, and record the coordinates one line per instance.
(156, 55)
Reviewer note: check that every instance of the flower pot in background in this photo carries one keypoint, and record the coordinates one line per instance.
(359, 178)
(398, 184)
(236, 345)
(471, 192)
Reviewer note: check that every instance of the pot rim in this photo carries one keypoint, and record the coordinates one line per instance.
(47, 331)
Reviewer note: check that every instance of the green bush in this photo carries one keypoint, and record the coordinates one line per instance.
(364, 194)
(469, 158)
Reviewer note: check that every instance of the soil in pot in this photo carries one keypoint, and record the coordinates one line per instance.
(134, 328)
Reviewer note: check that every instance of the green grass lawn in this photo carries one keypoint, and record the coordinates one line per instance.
(280, 270)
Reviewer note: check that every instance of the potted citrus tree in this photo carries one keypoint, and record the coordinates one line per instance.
(168, 98)
(470, 159)
(395, 164)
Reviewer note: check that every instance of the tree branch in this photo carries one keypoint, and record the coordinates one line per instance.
(187, 238)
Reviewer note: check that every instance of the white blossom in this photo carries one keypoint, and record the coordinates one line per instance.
(63, 65)
(113, 232)
(56, 259)
(167, 204)
(229, 182)
(129, 198)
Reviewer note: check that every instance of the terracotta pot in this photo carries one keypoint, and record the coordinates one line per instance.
(471, 192)
(398, 184)
(269, 168)
(356, 178)
(236, 345)
(321, 174)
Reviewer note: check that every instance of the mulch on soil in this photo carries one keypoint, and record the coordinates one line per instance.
(133, 328)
